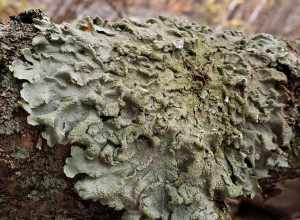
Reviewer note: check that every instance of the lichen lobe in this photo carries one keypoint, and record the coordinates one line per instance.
(164, 117)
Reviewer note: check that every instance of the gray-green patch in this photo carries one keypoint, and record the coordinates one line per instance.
(164, 118)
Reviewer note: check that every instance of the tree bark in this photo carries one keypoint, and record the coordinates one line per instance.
(225, 100)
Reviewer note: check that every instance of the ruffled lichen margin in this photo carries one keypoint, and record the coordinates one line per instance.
(166, 118)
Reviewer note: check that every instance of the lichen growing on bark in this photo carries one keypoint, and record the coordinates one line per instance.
(12, 38)
(165, 117)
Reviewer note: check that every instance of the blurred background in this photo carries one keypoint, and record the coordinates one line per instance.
(279, 17)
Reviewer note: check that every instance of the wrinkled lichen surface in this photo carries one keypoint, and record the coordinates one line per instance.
(165, 117)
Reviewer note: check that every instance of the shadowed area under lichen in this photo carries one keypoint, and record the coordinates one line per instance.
(165, 117)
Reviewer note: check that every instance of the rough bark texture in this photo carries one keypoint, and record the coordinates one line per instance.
(171, 112)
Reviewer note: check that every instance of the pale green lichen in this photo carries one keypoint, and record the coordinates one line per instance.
(165, 117)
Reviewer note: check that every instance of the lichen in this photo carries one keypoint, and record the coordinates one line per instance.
(15, 36)
(165, 117)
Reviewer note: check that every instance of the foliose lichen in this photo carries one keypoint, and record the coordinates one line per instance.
(165, 117)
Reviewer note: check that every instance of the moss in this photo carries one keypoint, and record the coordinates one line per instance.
(165, 118)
